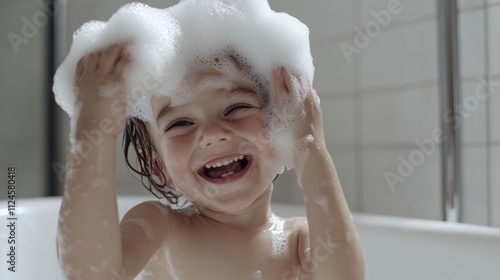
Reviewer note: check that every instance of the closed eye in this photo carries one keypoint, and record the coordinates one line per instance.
(178, 123)
(237, 106)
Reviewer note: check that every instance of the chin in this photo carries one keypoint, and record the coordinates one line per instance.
(234, 203)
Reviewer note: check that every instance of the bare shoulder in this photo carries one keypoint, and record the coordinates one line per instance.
(300, 228)
(295, 223)
(144, 229)
(147, 215)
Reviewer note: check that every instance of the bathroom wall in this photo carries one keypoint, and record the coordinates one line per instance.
(480, 58)
(22, 88)
(377, 76)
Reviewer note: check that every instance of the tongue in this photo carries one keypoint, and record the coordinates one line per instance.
(217, 172)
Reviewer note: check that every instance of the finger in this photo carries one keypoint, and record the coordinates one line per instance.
(279, 86)
(93, 61)
(287, 83)
(109, 57)
(80, 66)
(121, 63)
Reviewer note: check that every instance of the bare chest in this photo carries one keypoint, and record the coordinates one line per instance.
(272, 254)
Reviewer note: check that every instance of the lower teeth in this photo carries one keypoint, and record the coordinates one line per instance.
(227, 174)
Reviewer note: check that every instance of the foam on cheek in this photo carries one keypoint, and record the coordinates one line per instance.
(211, 190)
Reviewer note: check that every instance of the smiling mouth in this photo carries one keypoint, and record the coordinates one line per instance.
(226, 170)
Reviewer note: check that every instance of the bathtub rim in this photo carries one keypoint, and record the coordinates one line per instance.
(382, 222)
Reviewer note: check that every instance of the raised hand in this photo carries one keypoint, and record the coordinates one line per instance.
(299, 100)
(101, 90)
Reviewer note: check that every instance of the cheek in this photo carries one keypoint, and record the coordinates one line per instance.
(175, 155)
(252, 126)
(260, 135)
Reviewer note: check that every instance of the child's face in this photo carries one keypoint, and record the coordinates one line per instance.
(218, 126)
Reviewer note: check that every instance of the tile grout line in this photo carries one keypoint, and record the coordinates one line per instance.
(358, 115)
(488, 109)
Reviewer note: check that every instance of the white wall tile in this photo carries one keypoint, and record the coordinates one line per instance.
(405, 10)
(495, 110)
(286, 189)
(473, 118)
(338, 120)
(333, 73)
(465, 4)
(400, 116)
(402, 55)
(474, 185)
(325, 19)
(494, 39)
(418, 196)
(22, 86)
(493, 1)
(495, 185)
(348, 174)
(471, 43)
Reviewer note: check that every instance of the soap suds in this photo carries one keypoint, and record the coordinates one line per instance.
(257, 275)
(322, 201)
(170, 265)
(279, 237)
(167, 45)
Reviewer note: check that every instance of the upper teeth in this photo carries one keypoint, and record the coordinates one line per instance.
(224, 162)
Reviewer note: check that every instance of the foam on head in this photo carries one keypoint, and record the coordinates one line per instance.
(135, 24)
(166, 45)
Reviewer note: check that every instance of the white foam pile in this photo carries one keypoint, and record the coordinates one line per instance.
(166, 44)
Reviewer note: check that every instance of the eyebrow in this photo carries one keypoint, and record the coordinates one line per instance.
(236, 90)
(164, 111)
(242, 89)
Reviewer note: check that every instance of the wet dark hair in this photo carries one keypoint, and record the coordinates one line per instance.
(137, 135)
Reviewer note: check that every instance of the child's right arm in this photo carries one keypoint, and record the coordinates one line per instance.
(91, 244)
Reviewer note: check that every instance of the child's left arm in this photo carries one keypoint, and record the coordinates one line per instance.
(329, 246)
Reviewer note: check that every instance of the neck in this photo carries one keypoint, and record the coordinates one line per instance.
(253, 217)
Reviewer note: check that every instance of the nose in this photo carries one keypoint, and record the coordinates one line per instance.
(214, 134)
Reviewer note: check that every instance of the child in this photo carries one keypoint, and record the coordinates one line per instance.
(234, 234)
(210, 151)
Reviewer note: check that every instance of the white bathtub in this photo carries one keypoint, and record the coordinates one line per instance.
(395, 248)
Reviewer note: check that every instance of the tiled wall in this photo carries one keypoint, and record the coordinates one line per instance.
(22, 87)
(379, 102)
(383, 99)
(480, 57)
